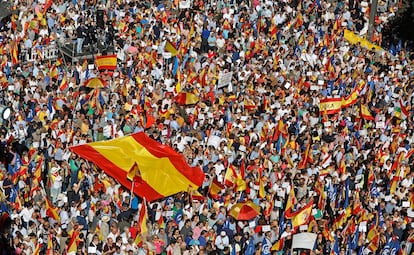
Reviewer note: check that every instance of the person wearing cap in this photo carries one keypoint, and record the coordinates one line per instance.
(222, 241)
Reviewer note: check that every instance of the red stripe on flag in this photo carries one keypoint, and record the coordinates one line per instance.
(141, 188)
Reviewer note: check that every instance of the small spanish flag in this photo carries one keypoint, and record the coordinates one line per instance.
(107, 62)
(215, 188)
(63, 84)
(51, 211)
(302, 216)
(186, 98)
(73, 242)
(169, 47)
(330, 105)
(278, 246)
(365, 113)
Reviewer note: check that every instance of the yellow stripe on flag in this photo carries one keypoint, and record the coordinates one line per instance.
(162, 171)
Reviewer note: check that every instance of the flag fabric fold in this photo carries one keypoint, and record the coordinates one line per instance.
(161, 170)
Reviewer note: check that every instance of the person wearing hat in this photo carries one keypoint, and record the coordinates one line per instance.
(222, 241)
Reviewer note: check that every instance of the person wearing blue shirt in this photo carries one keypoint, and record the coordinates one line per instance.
(204, 39)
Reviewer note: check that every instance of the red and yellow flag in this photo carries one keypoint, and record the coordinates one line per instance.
(63, 84)
(330, 105)
(54, 72)
(162, 171)
(230, 176)
(15, 53)
(215, 188)
(278, 246)
(107, 62)
(51, 211)
(169, 47)
(49, 250)
(365, 113)
(73, 243)
(302, 216)
(186, 98)
(143, 218)
(307, 157)
(290, 203)
(37, 249)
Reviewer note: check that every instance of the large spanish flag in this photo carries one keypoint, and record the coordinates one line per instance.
(330, 105)
(156, 170)
(107, 62)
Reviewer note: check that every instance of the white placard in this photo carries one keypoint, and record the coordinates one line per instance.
(185, 4)
(410, 213)
(388, 198)
(167, 55)
(278, 204)
(134, 101)
(405, 204)
(214, 141)
(314, 211)
(287, 85)
(380, 125)
(91, 66)
(320, 82)
(11, 88)
(327, 124)
(266, 228)
(243, 118)
(224, 79)
(308, 73)
(242, 148)
(252, 224)
(314, 87)
(363, 132)
(164, 132)
(169, 213)
(91, 249)
(303, 228)
(304, 241)
(362, 228)
(281, 193)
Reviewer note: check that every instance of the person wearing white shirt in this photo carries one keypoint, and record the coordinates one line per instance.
(26, 214)
(222, 241)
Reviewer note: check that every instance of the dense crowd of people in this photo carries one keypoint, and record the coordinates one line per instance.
(275, 123)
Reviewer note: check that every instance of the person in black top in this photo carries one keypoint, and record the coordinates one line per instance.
(81, 35)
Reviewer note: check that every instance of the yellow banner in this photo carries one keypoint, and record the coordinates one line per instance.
(354, 39)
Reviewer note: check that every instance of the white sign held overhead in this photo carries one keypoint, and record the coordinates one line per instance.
(185, 4)
(304, 241)
(224, 79)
